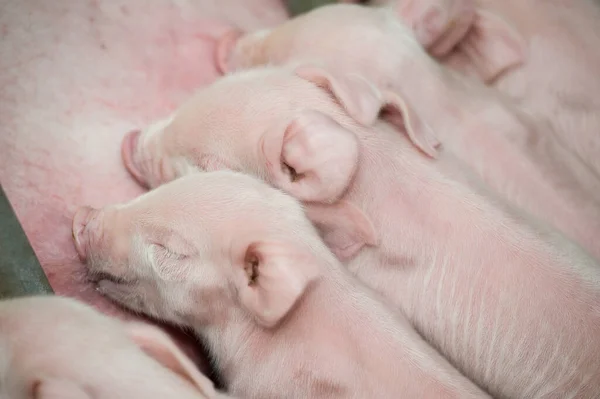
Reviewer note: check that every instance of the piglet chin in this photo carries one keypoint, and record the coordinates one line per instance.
(128, 146)
(80, 221)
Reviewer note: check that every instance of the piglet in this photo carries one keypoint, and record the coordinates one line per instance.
(509, 301)
(519, 155)
(238, 262)
(544, 54)
(57, 348)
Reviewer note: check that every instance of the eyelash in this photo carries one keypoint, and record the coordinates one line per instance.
(167, 253)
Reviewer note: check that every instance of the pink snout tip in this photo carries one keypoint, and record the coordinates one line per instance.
(80, 222)
(128, 147)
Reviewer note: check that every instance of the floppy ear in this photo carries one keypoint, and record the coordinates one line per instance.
(345, 229)
(157, 345)
(437, 24)
(364, 103)
(315, 158)
(489, 49)
(398, 112)
(272, 279)
(359, 98)
(52, 388)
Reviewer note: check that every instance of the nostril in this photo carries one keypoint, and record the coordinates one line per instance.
(128, 148)
(81, 220)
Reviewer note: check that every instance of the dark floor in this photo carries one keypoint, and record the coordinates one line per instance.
(20, 271)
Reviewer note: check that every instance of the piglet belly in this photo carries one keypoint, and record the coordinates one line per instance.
(76, 77)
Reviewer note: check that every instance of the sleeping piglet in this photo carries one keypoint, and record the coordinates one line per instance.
(517, 154)
(58, 348)
(238, 262)
(513, 305)
(544, 54)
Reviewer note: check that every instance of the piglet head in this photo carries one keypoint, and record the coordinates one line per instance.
(268, 122)
(82, 354)
(206, 248)
(350, 35)
(294, 127)
(318, 34)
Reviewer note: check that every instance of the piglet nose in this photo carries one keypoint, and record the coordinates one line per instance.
(225, 46)
(128, 148)
(82, 218)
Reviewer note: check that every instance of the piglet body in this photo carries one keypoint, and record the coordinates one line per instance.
(54, 347)
(515, 307)
(558, 76)
(541, 54)
(519, 153)
(510, 302)
(238, 262)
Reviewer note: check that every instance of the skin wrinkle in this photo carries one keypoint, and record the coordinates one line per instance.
(455, 317)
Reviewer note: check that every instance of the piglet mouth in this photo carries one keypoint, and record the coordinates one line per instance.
(80, 231)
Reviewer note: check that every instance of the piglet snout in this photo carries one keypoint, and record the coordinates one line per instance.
(223, 52)
(128, 147)
(81, 220)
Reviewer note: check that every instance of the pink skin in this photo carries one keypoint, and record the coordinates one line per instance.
(82, 354)
(518, 154)
(558, 80)
(74, 77)
(438, 25)
(513, 305)
(239, 262)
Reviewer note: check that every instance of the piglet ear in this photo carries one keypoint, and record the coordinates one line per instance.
(401, 114)
(345, 229)
(157, 345)
(438, 24)
(58, 389)
(489, 49)
(224, 49)
(314, 160)
(364, 103)
(273, 277)
(359, 98)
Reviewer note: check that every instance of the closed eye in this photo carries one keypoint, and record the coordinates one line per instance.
(163, 252)
(99, 276)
